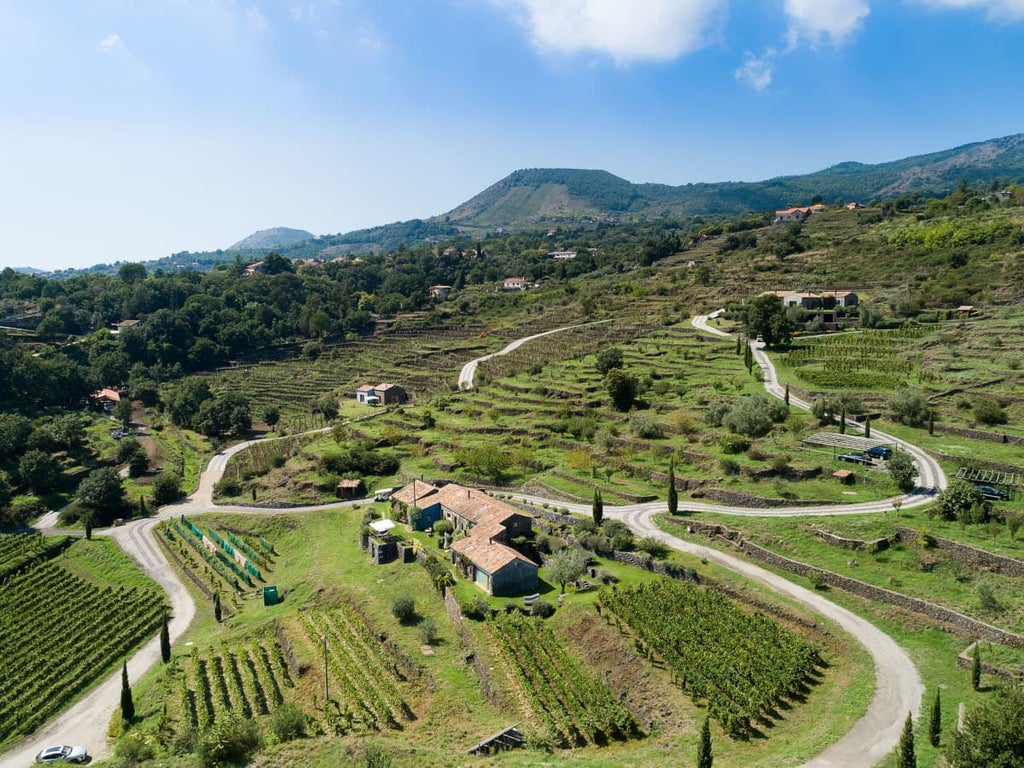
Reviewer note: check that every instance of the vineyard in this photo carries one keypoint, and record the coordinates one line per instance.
(364, 675)
(59, 633)
(247, 680)
(215, 560)
(870, 359)
(17, 551)
(743, 666)
(574, 706)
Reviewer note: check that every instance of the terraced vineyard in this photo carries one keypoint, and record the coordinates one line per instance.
(869, 359)
(364, 676)
(17, 551)
(575, 707)
(248, 680)
(58, 634)
(741, 665)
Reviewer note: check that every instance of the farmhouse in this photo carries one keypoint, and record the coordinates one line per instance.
(118, 327)
(514, 284)
(483, 555)
(562, 254)
(382, 394)
(791, 215)
(105, 398)
(440, 291)
(816, 299)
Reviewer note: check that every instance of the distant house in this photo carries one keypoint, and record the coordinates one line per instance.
(514, 284)
(817, 208)
(816, 299)
(854, 206)
(256, 268)
(382, 394)
(562, 254)
(484, 555)
(965, 310)
(440, 291)
(118, 327)
(105, 398)
(791, 214)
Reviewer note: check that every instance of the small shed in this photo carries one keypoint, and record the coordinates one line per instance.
(844, 476)
(965, 310)
(349, 489)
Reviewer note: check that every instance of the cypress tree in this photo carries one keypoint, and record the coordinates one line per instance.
(127, 704)
(842, 422)
(88, 524)
(976, 667)
(598, 509)
(704, 756)
(143, 512)
(165, 642)
(738, 344)
(906, 758)
(673, 494)
(216, 607)
(935, 721)
(786, 398)
(867, 427)
(931, 423)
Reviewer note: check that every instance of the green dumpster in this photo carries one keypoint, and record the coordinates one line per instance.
(270, 595)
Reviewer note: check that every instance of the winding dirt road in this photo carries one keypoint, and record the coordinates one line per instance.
(898, 686)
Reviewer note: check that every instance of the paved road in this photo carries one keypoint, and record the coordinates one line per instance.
(468, 372)
(898, 687)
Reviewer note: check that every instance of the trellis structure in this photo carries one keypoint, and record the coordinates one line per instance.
(991, 477)
(838, 442)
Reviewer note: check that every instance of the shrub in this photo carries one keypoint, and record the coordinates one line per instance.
(730, 467)
(646, 428)
(733, 444)
(167, 489)
(817, 579)
(754, 415)
(227, 486)
(652, 546)
(403, 608)
(428, 631)
(230, 740)
(988, 411)
(287, 723)
(134, 749)
(542, 608)
(443, 526)
(909, 407)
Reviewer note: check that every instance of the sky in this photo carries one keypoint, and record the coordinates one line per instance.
(134, 129)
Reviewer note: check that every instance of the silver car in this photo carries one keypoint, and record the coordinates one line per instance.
(63, 754)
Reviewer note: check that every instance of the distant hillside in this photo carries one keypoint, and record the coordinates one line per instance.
(278, 237)
(537, 197)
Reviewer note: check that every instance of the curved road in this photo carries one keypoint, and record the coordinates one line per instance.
(898, 686)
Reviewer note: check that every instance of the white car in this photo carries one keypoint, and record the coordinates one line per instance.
(63, 754)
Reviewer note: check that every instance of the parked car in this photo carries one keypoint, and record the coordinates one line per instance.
(63, 754)
(856, 457)
(879, 452)
(383, 494)
(993, 494)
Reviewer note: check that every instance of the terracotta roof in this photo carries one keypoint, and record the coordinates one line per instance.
(106, 394)
(486, 555)
(476, 506)
(417, 489)
(349, 483)
(365, 388)
(383, 387)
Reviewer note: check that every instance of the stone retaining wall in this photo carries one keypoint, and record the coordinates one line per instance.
(740, 499)
(965, 553)
(964, 624)
(977, 434)
(858, 544)
(490, 691)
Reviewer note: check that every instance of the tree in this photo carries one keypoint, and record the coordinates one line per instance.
(958, 500)
(87, 519)
(127, 703)
(622, 387)
(786, 398)
(102, 494)
(976, 666)
(597, 511)
(673, 494)
(271, 416)
(38, 470)
(123, 412)
(766, 317)
(905, 757)
(565, 565)
(935, 721)
(909, 407)
(867, 427)
(165, 642)
(992, 735)
(132, 273)
(216, 607)
(705, 757)
(167, 488)
(842, 422)
(902, 470)
(403, 608)
(607, 359)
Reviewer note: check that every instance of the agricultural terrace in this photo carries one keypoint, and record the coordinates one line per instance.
(572, 680)
(68, 616)
(744, 666)
(558, 431)
(225, 560)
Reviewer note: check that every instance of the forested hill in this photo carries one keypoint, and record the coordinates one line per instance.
(550, 196)
(277, 237)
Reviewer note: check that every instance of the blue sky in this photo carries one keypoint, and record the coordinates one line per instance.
(130, 130)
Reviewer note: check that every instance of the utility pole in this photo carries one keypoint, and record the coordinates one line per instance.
(327, 693)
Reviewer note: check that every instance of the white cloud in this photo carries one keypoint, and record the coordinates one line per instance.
(641, 30)
(113, 44)
(817, 20)
(756, 71)
(996, 10)
(256, 18)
